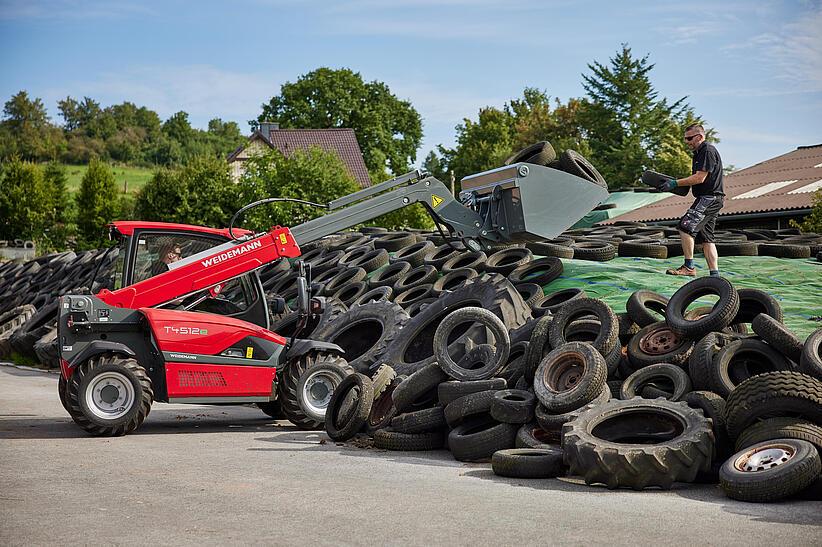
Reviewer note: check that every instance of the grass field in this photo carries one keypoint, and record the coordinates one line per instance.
(130, 178)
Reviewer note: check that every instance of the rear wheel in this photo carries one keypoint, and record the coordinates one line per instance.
(109, 395)
(290, 394)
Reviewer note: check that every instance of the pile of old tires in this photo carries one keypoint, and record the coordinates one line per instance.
(671, 391)
(28, 299)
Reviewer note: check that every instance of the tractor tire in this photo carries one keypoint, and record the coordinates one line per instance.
(638, 443)
(273, 409)
(109, 395)
(317, 384)
(288, 387)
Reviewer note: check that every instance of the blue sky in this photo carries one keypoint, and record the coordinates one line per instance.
(753, 70)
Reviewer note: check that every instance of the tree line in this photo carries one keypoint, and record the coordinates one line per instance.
(621, 125)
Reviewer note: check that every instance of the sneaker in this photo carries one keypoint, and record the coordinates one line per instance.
(682, 270)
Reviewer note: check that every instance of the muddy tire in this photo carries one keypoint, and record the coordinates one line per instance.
(340, 426)
(569, 377)
(528, 463)
(491, 323)
(109, 395)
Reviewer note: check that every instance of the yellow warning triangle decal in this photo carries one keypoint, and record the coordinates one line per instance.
(436, 200)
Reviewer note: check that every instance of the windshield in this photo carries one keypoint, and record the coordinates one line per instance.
(120, 263)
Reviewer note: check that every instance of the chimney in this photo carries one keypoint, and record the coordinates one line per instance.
(267, 127)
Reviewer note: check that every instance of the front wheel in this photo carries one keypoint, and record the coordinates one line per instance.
(109, 395)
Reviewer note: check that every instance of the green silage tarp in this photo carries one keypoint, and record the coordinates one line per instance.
(625, 202)
(796, 284)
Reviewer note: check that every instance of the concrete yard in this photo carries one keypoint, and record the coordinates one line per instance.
(228, 475)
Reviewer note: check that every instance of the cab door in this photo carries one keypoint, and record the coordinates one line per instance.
(150, 250)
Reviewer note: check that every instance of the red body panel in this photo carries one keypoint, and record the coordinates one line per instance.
(127, 227)
(201, 333)
(212, 270)
(199, 380)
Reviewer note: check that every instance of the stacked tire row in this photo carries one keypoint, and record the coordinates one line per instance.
(28, 299)
(664, 393)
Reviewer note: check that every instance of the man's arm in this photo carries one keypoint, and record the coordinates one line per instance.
(693, 180)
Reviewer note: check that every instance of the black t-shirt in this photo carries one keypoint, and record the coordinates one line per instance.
(706, 158)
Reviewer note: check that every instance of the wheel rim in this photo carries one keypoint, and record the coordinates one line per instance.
(318, 389)
(659, 342)
(764, 457)
(110, 395)
(566, 373)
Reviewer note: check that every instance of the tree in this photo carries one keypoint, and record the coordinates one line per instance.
(812, 222)
(97, 203)
(26, 130)
(58, 217)
(25, 201)
(481, 145)
(629, 128)
(389, 130)
(535, 120)
(178, 128)
(435, 165)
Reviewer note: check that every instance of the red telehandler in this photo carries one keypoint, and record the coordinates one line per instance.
(195, 330)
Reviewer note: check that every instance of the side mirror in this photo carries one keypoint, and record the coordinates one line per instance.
(303, 295)
(277, 305)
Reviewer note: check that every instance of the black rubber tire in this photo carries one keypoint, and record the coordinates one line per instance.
(642, 248)
(506, 261)
(770, 395)
(541, 271)
(478, 439)
(414, 294)
(35, 328)
(414, 347)
(538, 347)
(471, 315)
(272, 409)
(780, 428)
(783, 250)
(394, 241)
(451, 390)
(475, 260)
(288, 388)
(571, 376)
(513, 406)
(597, 251)
(530, 293)
(742, 359)
(349, 275)
(713, 406)
(81, 380)
(386, 439)
(417, 386)
(701, 361)
(62, 392)
(548, 249)
(646, 307)
(365, 332)
(370, 261)
(469, 406)
(539, 153)
(721, 315)
(334, 369)
(377, 294)
(777, 335)
(419, 421)
(453, 280)
(575, 163)
(347, 294)
(679, 382)
(752, 302)
(620, 455)
(533, 436)
(657, 343)
(341, 428)
(810, 361)
(421, 275)
(552, 422)
(528, 463)
(413, 254)
(551, 303)
(438, 256)
(389, 275)
(771, 483)
(737, 248)
(609, 328)
(383, 409)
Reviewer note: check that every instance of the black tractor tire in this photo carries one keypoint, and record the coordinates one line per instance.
(491, 323)
(743, 359)
(713, 406)
(418, 387)
(528, 463)
(638, 443)
(317, 383)
(513, 406)
(609, 328)
(575, 163)
(506, 261)
(387, 439)
(541, 271)
(569, 377)
(597, 251)
(364, 332)
(771, 395)
(421, 275)
(125, 380)
(810, 361)
(389, 275)
(646, 307)
(419, 421)
(770, 470)
(777, 335)
(670, 379)
(356, 392)
(752, 302)
(720, 316)
(413, 254)
(288, 388)
(479, 438)
(414, 347)
(781, 428)
(657, 343)
(475, 260)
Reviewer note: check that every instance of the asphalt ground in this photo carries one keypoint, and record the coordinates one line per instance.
(210, 475)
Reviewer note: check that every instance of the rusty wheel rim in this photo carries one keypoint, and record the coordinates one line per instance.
(566, 373)
(764, 457)
(659, 341)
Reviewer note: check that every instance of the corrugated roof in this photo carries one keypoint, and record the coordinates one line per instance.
(783, 183)
(342, 142)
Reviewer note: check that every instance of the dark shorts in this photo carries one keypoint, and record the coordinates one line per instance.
(700, 219)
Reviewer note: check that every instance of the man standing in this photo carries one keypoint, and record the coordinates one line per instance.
(697, 225)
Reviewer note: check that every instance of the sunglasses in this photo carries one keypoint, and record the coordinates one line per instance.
(692, 137)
